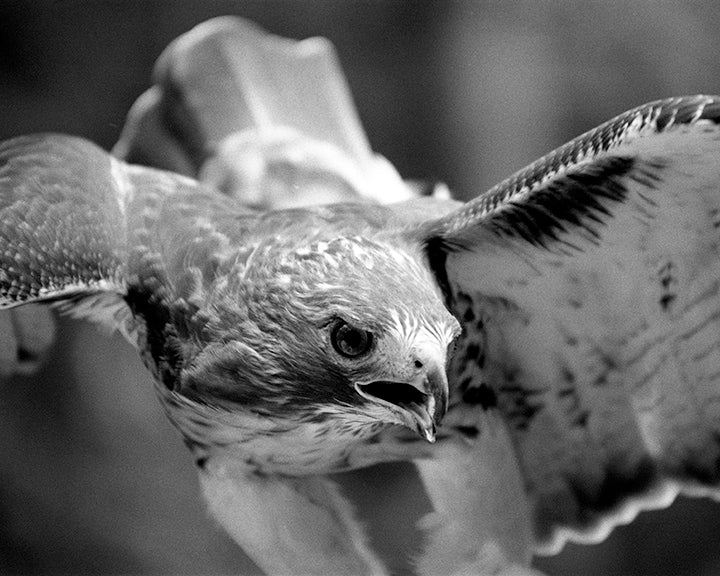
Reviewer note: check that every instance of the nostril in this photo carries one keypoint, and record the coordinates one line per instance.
(418, 364)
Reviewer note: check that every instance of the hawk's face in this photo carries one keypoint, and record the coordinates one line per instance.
(350, 329)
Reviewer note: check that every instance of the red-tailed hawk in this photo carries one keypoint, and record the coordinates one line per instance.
(547, 354)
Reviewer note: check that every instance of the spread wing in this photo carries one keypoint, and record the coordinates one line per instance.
(61, 231)
(29, 271)
(588, 285)
(80, 227)
(257, 116)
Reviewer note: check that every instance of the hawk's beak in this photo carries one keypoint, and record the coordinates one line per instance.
(419, 405)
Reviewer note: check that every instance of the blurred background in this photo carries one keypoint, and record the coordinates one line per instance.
(92, 477)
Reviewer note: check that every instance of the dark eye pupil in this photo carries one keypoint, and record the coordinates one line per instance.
(350, 341)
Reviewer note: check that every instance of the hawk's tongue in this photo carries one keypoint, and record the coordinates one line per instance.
(425, 422)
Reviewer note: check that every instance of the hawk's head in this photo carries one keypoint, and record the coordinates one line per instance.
(350, 328)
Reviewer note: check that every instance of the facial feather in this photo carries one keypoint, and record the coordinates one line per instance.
(269, 344)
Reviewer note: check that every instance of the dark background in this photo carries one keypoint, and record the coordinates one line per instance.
(92, 477)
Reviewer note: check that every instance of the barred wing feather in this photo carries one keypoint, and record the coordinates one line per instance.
(589, 289)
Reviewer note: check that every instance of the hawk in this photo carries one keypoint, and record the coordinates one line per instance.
(547, 354)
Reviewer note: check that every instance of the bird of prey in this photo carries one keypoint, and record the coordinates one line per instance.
(547, 354)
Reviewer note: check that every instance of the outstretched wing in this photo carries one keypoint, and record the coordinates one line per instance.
(259, 117)
(62, 234)
(82, 228)
(33, 265)
(589, 289)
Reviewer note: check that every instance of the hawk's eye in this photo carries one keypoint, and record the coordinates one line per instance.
(349, 341)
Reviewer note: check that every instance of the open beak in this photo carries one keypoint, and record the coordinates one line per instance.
(419, 405)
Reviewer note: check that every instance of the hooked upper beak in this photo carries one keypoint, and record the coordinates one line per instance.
(420, 405)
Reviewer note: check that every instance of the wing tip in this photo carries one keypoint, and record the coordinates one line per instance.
(652, 490)
(594, 529)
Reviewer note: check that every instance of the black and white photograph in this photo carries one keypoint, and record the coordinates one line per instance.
(360, 288)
